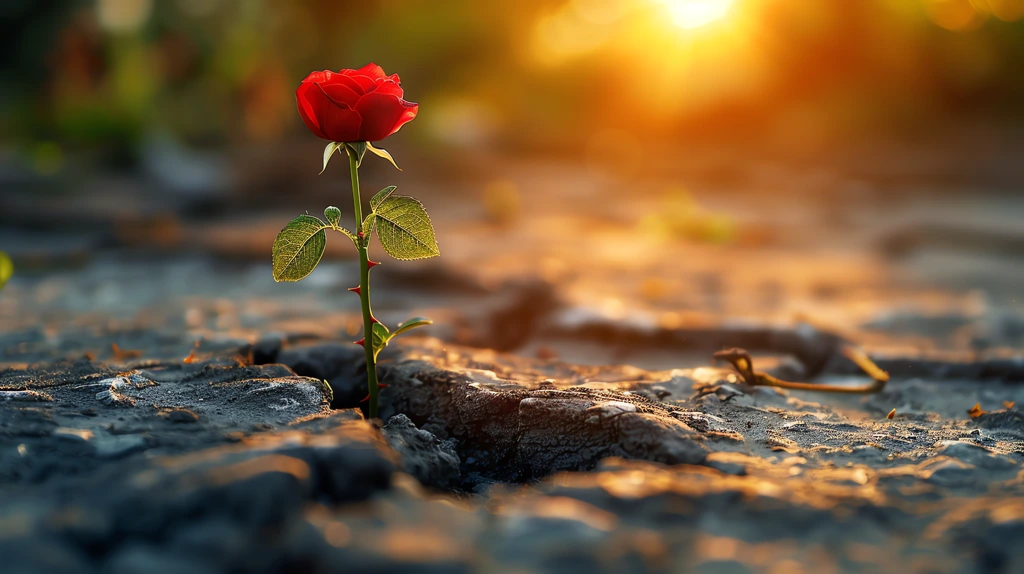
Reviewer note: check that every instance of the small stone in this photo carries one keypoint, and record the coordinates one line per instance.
(112, 398)
(119, 446)
(795, 426)
(608, 410)
(73, 435)
(974, 454)
(179, 415)
(25, 396)
(433, 462)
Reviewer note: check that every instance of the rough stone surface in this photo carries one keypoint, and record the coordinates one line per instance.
(144, 433)
(433, 462)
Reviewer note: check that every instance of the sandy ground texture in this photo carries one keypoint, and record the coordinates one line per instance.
(171, 409)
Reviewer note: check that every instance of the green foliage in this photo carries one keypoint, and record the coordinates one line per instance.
(333, 215)
(381, 195)
(368, 224)
(382, 153)
(404, 228)
(298, 248)
(6, 269)
(410, 325)
(401, 224)
(329, 151)
(381, 336)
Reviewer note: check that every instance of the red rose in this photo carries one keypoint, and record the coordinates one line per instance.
(354, 105)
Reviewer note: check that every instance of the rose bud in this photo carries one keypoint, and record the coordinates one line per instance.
(353, 105)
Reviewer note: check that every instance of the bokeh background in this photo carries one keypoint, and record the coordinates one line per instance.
(855, 162)
(809, 81)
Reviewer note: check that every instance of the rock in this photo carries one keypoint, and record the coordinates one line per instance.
(947, 472)
(433, 462)
(975, 455)
(112, 398)
(119, 446)
(342, 365)
(25, 396)
(73, 435)
(180, 415)
(267, 349)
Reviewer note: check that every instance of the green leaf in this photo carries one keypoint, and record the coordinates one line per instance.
(382, 153)
(404, 229)
(410, 325)
(381, 195)
(298, 248)
(6, 269)
(329, 151)
(368, 224)
(381, 336)
(358, 148)
(333, 215)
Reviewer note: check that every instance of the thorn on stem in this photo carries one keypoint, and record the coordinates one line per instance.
(380, 386)
(370, 264)
(355, 290)
(373, 319)
(361, 342)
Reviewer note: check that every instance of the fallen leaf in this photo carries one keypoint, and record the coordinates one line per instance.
(191, 358)
(976, 411)
(891, 414)
(1009, 404)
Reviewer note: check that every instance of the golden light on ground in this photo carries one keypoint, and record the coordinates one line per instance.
(696, 13)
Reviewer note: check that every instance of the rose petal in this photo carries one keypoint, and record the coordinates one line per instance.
(408, 115)
(317, 76)
(372, 70)
(388, 86)
(341, 124)
(380, 113)
(307, 111)
(347, 81)
(340, 93)
(365, 83)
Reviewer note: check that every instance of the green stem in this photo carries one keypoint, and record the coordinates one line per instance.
(362, 244)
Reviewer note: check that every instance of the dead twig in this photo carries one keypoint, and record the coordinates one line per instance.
(741, 361)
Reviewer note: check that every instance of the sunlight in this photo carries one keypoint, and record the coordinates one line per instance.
(696, 13)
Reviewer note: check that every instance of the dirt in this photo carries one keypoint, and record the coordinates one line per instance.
(177, 411)
(530, 464)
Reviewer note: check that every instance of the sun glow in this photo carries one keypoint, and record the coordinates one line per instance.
(696, 13)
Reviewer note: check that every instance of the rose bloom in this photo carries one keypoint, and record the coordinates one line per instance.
(354, 105)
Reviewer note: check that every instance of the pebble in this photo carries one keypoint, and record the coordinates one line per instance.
(25, 396)
(73, 435)
(113, 447)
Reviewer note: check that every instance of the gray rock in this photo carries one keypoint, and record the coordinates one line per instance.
(25, 396)
(975, 455)
(433, 462)
(113, 447)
